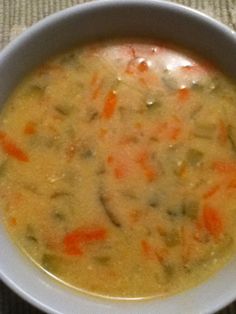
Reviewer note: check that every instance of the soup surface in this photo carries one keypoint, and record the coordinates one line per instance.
(118, 168)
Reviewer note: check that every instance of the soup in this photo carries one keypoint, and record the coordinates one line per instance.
(117, 168)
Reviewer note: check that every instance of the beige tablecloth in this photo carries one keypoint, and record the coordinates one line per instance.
(16, 16)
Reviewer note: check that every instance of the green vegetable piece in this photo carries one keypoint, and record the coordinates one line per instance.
(35, 90)
(30, 234)
(85, 153)
(191, 209)
(232, 137)
(59, 216)
(153, 201)
(194, 157)
(169, 271)
(63, 109)
(204, 131)
(50, 262)
(102, 260)
(176, 211)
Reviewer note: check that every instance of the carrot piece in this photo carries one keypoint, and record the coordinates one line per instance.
(96, 84)
(30, 128)
(147, 249)
(12, 222)
(224, 167)
(212, 221)
(232, 184)
(120, 171)
(170, 130)
(73, 240)
(10, 148)
(183, 94)
(109, 105)
(222, 132)
(151, 252)
(143, 66)
(149, 171)
(110, 159)
(212, 191)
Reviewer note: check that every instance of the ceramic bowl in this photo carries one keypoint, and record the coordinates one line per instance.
(94, 21)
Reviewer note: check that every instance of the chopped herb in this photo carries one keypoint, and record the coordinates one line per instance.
(108, 211)
(63, 109)
(194, 157)
(93, 115)
(102, 260)
(176, 211)
(153, 201)
(85, 152)
(30, 234)
(59, 215)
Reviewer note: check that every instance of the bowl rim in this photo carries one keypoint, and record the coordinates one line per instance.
(103, 306)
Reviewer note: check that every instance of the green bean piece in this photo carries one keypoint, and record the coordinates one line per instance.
(30, 234)
(169, 271)
(50, 262)
(194, 157)
(63, 109)
(191, 209)
(36, 90)
(204, 131)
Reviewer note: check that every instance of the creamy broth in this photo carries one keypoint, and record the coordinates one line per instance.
(118, 168)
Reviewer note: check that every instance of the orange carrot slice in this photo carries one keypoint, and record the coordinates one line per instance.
(183, 94)
(11, 148)
(212, 221)
(109, 105)
(30, 128)
(212, 191)
(75, 239)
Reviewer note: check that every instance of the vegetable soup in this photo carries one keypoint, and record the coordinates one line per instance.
(118, 168)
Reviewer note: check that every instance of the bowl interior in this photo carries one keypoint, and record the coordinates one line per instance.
(95, 21)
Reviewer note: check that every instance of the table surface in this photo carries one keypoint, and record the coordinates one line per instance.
(16, 16)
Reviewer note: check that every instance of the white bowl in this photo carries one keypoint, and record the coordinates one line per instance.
(93, 21)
